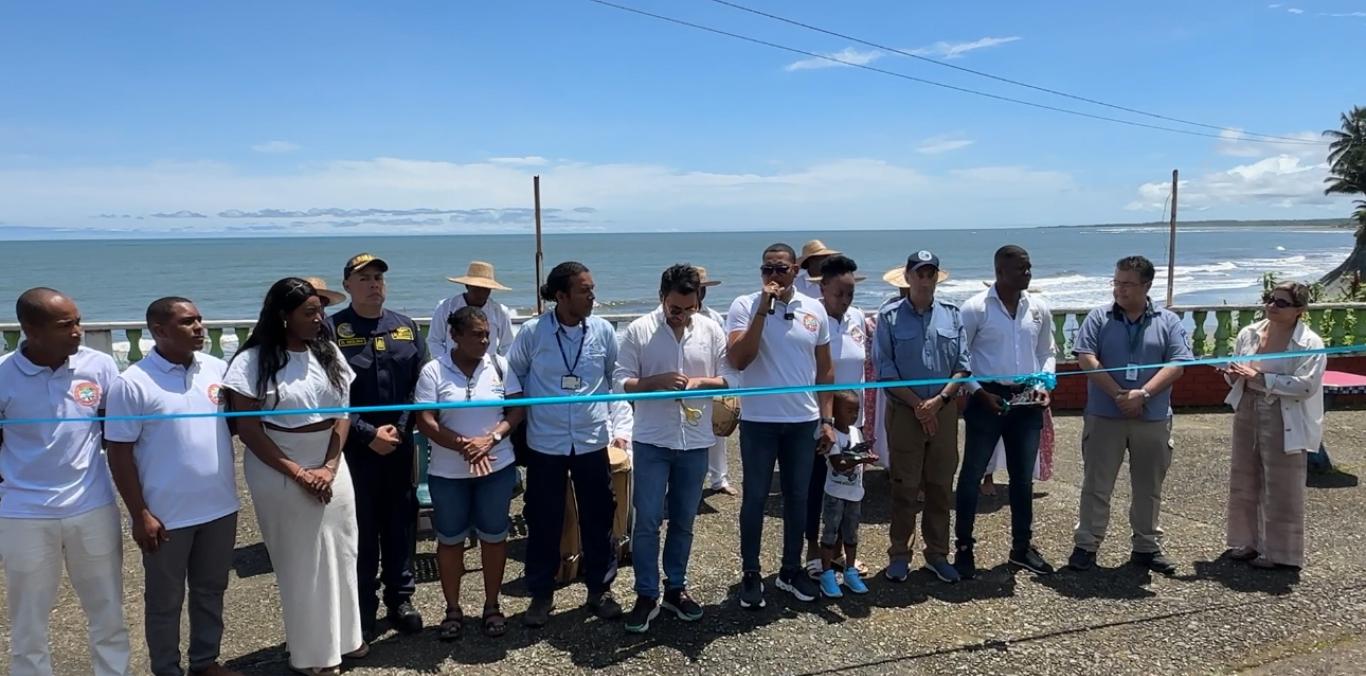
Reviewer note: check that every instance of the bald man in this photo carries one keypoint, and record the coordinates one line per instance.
(57, 502)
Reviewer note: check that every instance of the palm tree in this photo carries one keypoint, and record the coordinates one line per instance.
(1347, 176)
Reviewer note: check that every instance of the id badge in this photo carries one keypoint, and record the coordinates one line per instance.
(1131, 372)
(569, 383)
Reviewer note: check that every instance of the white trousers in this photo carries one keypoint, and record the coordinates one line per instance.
(716, 465)
(91, 546)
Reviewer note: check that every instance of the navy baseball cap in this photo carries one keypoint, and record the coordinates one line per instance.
(921, 259)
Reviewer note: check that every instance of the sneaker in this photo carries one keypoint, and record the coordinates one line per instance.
(830, 585)
(1031, 560)
(965, 563)
(538, 615)
(814, 568)
(798, 585)
(943, 571)
(752, 591)
(681, 604)
(854, 582)
(604, 605)
(646, 610)
(1154, 561)
(897, 570)
(1081, 560)
(405, 618)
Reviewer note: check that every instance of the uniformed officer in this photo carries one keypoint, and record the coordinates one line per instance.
(921, 337)
(386, 351)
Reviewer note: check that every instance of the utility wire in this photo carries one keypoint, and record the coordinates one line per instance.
(933, 83)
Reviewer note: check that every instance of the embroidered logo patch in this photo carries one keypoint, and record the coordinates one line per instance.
(215, 393)
(402, 333)
(86, 393)
(811, 323)
(344, 330)
(924, 255)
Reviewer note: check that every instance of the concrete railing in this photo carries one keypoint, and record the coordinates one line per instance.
(1213, 329)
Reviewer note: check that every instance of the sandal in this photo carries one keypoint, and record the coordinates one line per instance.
(452, 626)
(495, 624)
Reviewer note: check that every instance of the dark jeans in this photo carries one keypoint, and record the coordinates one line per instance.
(1020, 430)
(793, 447)
(386, 525)
(815, 499)
(665, 476)
(545, 485)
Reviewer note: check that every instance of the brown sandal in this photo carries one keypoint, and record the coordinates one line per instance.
(452, 626)
(495, 624)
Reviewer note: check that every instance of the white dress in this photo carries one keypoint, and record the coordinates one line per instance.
(312, 546)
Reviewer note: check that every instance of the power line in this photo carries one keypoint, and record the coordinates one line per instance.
(942, 85)
(999, 78)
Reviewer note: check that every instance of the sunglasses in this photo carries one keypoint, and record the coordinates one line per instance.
(774, 269)
(1281, 303)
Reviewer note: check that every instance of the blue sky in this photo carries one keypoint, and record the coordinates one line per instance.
(298, 118)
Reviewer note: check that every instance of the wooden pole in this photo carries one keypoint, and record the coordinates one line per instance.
(1171, 247)
(540, 255)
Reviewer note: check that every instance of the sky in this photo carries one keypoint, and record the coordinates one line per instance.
(268, 118)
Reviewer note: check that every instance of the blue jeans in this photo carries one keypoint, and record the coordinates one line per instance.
(793, 447)
(676, 476)
(1020, 430)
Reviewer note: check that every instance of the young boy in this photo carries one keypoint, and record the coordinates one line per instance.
(843, 496)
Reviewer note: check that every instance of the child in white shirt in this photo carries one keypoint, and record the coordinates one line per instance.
(843, 496)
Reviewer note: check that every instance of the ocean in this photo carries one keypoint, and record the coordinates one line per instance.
(114, 280)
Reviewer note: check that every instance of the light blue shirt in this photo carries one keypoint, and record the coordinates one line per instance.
(542, 356)
(912, 345)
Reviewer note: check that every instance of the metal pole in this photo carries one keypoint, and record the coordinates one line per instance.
(536, 190)
(1171, 247)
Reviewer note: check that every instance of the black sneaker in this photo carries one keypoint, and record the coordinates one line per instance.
(965, 563)
(604, 605)
(752, 591)
(681, 604)
(1030, 559)
(1081, 560)
(796, 583)
(538, 615)
(646, 610)
(1154, 561)
(405, 618)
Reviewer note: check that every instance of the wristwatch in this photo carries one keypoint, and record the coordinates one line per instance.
(945, 397)
(497, 437)
(828, 421)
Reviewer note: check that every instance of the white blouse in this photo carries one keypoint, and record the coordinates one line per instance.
(1296, 381)
(301, 384)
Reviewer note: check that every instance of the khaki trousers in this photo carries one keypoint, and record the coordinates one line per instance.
(1104, 444)
(921, 462)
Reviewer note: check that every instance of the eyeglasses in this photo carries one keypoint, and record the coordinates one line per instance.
(1125, 285)
(774, 269)
(1281, 303)
(675, 311)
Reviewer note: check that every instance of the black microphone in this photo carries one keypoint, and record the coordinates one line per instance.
(772, 303)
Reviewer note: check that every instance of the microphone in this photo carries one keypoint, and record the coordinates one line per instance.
(772, 304)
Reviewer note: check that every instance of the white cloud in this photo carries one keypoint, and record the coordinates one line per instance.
(1345, 15)
(528, 161)
(943, 143)
(1275, 6)
(954, 50)
(1282, 181)
(1295, 10)
(275, 147)
(848, 55)
(1233, 144)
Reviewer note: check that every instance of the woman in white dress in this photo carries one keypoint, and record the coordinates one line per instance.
(297, 476)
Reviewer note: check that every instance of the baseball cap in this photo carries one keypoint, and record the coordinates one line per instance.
(359, 261)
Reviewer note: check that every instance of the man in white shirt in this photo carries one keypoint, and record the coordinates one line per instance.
(479, 285)
(178, 481)
(717, 459)
(57, 500)
(1008, 333)
(778, 337)
(669, 350)
(808, 280)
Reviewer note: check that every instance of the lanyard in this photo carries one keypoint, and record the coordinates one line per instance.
(564, 357)
(1136, 332)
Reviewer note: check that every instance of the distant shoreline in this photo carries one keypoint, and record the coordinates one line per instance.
(1335, 223)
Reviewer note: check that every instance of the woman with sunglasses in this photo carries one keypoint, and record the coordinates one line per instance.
(1278, 404)
(471, 474)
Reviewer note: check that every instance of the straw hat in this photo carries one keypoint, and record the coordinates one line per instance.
(479, 274)
(329, 296)
(897, 277)
(702, 273)
(814, 248)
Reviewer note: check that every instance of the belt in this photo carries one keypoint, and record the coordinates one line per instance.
(1004, 388)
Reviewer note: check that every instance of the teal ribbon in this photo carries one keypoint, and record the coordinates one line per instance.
(1046, 379)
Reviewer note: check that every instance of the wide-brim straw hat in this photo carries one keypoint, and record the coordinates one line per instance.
(479, 274)
(320, 286)
(897, 277)
(814, 248)
(706, 281)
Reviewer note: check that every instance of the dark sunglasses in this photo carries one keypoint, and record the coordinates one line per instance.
(1281, 303)
(774, 269)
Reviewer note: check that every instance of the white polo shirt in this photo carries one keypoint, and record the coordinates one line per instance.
(54, 470)
(439, 333)
(787, 357)
(649, 348)
(442, 382)
(185, 464)
(1001, 345)
(301, 384)
(848, 350)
